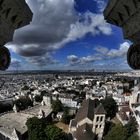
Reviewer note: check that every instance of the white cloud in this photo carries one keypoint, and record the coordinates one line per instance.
(90, 58)
(121, 52)
(93, 23)
(72, 57)
(101, 49)
(102, 53)
(55, 23)
(15, 60)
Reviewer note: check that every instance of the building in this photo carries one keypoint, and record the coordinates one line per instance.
(66, 100)
(13, 124)
(89, 122)
(124, 114)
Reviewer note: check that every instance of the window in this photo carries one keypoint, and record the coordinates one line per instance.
(96, 126)
(101, 119)
(97, 119)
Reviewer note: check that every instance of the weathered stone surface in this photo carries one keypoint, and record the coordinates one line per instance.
(125, 14)
(14, 14)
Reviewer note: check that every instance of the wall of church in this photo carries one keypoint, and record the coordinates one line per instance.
(98, 125)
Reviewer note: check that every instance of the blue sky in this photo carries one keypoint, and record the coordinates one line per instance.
(69, 34)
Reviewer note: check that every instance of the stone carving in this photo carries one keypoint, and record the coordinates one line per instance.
(126, 14)
(14, 14)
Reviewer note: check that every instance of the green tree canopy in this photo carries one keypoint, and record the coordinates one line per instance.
(23, 103)
(54, 133)
(36, 129)
(110, 106)
(133, 137)
(38, 98)
(25, 87)
(118, 132)
(5, 107)
(57, 106)
(39, 129)
(131, 127)
(66, 117)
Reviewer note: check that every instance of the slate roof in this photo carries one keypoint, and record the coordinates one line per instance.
(100, 110)
(84, 132)
(88, 109)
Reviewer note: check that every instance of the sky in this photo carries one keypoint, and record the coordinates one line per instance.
(68, 35)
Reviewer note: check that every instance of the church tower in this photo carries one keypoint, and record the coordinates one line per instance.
(99, 121)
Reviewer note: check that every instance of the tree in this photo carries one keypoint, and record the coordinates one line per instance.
(117, 132)
(25, 87)
(133, 137)
(5, 107)
(54, 133)
(131, 127)
(66, 117)
(57, 106)
(23, 103)
(44, 92)
(38, 98)
(110, 106)
(36, 129)
(108, 127)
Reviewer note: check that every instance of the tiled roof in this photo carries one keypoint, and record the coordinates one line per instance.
(123, 116)
(84, 132)
(126, 109)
